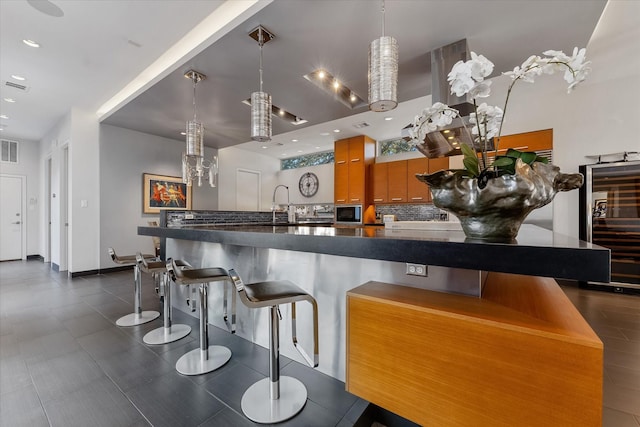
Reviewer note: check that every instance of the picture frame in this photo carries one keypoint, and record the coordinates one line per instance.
(600, 208)
(161, 192)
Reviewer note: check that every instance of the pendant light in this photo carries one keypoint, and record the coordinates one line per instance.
(383, 71)
(261, 101)
(194, 165)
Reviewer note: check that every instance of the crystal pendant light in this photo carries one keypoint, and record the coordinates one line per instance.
(261, 101)
(383, 72)
(194, 165)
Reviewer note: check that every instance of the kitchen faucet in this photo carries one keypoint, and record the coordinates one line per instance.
(273, 202)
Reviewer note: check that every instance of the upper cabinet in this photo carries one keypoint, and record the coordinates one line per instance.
(539, 140)
(396, 182)
(353, 156)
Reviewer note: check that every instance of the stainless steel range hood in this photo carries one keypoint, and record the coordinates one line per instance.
(446, 141)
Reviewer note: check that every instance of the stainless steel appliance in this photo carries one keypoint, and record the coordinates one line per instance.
(348, 214)
(610, 217)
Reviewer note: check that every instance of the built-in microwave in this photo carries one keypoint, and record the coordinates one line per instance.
(348, 214)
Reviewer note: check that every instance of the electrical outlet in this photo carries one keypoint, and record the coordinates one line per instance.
(416, 269)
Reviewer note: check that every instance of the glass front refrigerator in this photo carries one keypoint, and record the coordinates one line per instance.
(610, 217)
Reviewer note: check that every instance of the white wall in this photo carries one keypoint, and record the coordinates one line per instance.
(28, 166)
(85, 197)
(600, 116)
(125, 155)
(291, 178)
(231, 159)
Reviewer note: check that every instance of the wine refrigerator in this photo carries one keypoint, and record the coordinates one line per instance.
(610, 217)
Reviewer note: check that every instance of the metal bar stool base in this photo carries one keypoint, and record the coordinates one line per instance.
(259, 408)
(192, 363)
(164, 335)
(134, 319)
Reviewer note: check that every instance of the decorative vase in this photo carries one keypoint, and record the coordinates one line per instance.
(496, 211)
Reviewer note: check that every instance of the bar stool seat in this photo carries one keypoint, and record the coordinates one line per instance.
(168, 332)
(138, 317)
(207, 357)
(276, 399)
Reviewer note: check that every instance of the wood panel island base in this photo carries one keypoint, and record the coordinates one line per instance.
(521, 355)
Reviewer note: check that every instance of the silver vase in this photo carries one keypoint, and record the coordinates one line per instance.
(496, 211)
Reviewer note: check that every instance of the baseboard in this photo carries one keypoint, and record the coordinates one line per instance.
(35, 258)
(101, 271)
(55, 267)
(610, 288)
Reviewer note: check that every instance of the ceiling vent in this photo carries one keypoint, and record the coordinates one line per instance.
(16, 86)
(361, 125)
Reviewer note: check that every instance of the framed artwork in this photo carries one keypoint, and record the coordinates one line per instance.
(164, 192)
(600, 208)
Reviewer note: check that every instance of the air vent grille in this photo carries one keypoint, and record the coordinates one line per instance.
(9, 151)
(16, 86)
(361, 125)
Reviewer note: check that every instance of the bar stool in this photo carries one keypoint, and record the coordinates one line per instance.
(206, 358)
(287, 395)
(168, 332)
(138, 317)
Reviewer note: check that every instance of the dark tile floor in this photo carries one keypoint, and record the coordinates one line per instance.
(63, 362)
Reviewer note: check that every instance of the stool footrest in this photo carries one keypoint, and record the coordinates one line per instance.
(257, 406)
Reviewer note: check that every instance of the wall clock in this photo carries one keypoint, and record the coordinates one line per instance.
(308, 184)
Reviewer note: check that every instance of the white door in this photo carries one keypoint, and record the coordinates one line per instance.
(247, 190)
(11, 221)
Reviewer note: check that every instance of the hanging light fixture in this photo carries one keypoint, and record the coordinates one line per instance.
(383, 72)
(194, 165)
(261, 101)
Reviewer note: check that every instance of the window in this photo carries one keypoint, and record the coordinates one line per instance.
(307, 160)
(9, 151)
(394, 146)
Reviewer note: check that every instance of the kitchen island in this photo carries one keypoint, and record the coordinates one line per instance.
(330, 261)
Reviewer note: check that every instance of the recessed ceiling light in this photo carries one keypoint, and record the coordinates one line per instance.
(264, 147)
(31, 43)
(332, 86)
(446, 131)
(388, 118)
(450, 137)
(3, 116)
(183, 133)
(317, 148)
(17, 77)
(284, 154)
(299, 151)
(324, 134)
(294, 140)
(336, 130)
(10, 100)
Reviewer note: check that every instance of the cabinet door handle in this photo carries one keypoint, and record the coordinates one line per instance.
(341, 162)
(377, 200)
(355, 200)
(355, 160)
(416, 198)
(396, 199)
(340, 200)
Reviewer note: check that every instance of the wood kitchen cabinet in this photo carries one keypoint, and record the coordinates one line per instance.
(417, 192)
(397, 181)
(353, 156)
(539, 140)
(379, 178)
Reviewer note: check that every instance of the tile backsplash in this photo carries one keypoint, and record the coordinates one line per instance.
(426, 212)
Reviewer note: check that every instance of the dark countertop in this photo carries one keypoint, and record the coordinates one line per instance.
(537, 251)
